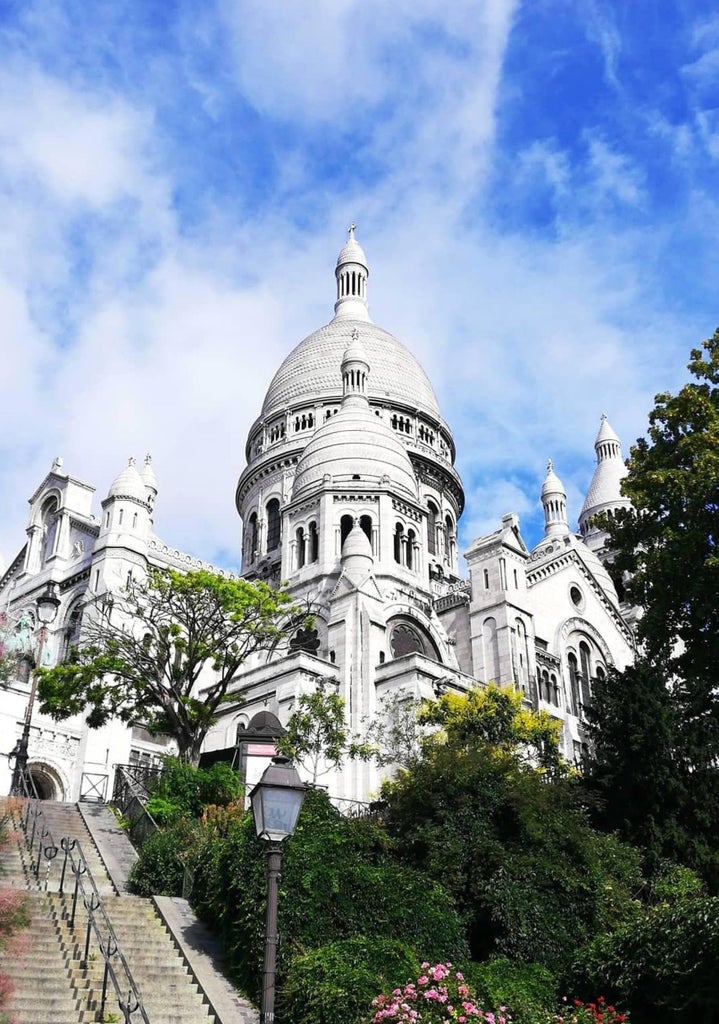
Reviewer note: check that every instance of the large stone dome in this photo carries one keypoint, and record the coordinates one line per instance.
(312, 370)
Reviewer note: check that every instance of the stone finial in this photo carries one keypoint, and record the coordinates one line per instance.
(56, 464)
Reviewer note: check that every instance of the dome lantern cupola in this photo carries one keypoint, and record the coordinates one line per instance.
(351, 273)
(554, 501)
(355, 370)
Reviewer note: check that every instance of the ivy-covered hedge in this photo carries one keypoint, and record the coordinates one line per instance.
(336, 983)
(339, 882)
(664, 967)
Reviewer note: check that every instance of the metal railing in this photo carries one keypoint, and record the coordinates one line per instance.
(130, 793)
(43, 847)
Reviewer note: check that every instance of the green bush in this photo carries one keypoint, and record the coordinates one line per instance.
(529, 991)
(534, 880)
(158, 871)
(664, 968)
(338, 882)
(336, 983)
(188, 790)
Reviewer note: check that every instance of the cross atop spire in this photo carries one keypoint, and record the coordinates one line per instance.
(351, 231)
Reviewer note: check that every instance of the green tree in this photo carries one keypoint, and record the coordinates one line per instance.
(639, 771)
(317, 735)
(144, 663)
(658, 723)
(666, 545)
(478, 813)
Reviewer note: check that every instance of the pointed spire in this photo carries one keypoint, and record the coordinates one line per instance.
(554, 501)
(351, 273)
(604, 494)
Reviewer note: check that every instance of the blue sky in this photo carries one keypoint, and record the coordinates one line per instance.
(534, 183)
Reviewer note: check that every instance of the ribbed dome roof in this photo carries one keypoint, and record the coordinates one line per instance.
(312, 369)
(128, 484)
(355, 447)
(605, 488)
(352, 252)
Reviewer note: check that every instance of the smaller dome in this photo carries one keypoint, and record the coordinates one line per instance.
(357, 558)
(352, 251)
(552, 484)
(128, 484)
(355, 351)
(606, 431)
(355, 447)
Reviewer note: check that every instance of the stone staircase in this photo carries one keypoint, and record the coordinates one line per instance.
(54, 983)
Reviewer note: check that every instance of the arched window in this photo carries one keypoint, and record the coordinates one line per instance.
(554, 691)
(432, 511)
(411, 541)
(346, 524)
(544, 691)
(73, 623)
(314, 547)
(410, 638)
(273, 524)
(251, 548)
(449, 540)
(398, 543)
(366, 524)
(490, 641)
(300, 547)
(586, 673)
(48, 526)
(574, 682)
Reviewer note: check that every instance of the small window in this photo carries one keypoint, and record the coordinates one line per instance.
(120, 517)
(486, 579)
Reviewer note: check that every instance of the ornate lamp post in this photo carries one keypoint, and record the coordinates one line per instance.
(276, 801)
(47, 605)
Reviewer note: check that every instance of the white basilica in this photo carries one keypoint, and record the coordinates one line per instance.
(351, 497)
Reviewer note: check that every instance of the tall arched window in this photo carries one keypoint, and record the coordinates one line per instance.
(73, 624)
(48, 526)
(449, 541)
(251, 549)
(366, 524)
(574, 682)
(432, 511)
(314, 547)
(586, 673)
(300, 547)
(411, 541)
(346, 524)
(273, 524)
(398, 543)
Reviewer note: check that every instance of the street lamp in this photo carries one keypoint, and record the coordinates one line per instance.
(47, 605)
(276, 801)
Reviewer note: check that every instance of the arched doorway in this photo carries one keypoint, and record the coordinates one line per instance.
(47, 782)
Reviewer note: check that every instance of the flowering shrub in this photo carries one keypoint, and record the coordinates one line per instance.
(578, 1012)
(439, 995)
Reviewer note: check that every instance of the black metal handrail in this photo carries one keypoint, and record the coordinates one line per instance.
(98, 922)
(39, 830)
(97, 918)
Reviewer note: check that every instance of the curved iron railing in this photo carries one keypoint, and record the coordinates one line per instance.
(42, 846)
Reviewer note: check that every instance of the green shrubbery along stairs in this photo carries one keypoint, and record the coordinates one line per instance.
(59, 971)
